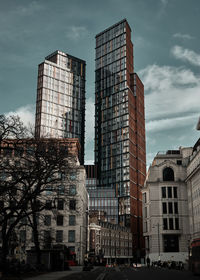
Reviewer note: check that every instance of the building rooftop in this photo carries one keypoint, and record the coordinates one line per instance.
(64, 54)
(111, 27)
(169, 152)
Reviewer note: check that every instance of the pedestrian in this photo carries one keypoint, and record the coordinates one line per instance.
(148, 262)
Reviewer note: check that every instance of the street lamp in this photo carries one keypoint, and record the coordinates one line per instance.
(158, 233)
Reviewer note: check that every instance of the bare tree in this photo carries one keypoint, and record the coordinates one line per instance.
(11, 127)
(27, 168)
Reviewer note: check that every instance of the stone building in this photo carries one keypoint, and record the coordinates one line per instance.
(109, 243)
(193, 187)
(64, 221)
(165, 207)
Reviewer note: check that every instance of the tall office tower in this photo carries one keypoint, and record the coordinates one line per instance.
(120, 125)
(60, 107)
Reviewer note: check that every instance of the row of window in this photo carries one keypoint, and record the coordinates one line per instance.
(170, 223)
(59, 220)
(170, 207)
(60, 204)
(61, 190)
(48, 236)
(111, 33)
(169, 192)
(115, 45)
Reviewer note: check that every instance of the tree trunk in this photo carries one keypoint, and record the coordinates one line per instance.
(5, 250)
(36, 238)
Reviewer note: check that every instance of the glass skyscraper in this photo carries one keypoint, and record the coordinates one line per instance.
(120, 125)
(60, 107)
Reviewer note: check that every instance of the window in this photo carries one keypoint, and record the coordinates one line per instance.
(165, 224)
(145, 227)
(171, 243)
(72, 220)
(168, 174)
(176, 207)
(72, 204)
(144, 197)
(49, 190)
(19, 151)
(171, 224)
(163, 192)
(145, 212)
(47, 237)
(72, 176)
(47, 220)
(48, 205)
(1, 204)
(175, 192)
(61, 190)
(59, 220)
(170, 208)
(179, 162)
(22, 236)
(169, 191)
(71, 236)
(164, 207)
(176, 223)
(72, 189)
(59, 236)
(61, 175)
(60, 204)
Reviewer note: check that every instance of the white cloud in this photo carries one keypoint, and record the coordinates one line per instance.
(89, 161)
(164, 2)
(183, 36)
(26, 114)
(186, 55)
(29, 9)
(171, 95)
(76, 32)
(163, 5)
(171, 123)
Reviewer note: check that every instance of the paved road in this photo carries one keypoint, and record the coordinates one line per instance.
(131, 273)
(118, 273)
(151, 274)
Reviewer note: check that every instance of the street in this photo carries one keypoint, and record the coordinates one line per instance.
(123, 273)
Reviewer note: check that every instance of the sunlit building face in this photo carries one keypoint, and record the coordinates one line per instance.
(60, 109)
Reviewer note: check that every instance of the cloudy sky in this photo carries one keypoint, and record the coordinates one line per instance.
(166, 41)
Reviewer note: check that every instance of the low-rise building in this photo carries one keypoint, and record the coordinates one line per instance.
(63, 222)
(193, 187)
(109, 243)
(165, 207)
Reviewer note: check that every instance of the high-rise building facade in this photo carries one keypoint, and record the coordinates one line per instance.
(60, 107)
(120, 125)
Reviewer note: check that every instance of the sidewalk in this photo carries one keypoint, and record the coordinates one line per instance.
(56, 275)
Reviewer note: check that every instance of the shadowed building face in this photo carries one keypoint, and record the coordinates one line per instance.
(119, 124)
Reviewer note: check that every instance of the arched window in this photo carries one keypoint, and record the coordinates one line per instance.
(168, 174)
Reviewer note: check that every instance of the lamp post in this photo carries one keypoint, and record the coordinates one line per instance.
(158, 226)
(158, 235)
(86, 241)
